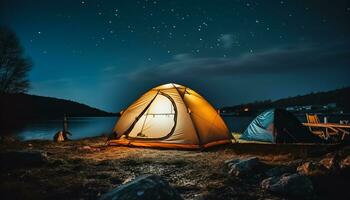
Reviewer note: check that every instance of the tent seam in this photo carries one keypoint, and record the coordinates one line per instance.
(194, 126)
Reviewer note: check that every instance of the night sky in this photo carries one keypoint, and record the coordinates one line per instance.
(108, 53)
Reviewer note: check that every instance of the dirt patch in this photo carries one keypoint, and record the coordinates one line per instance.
(86, 169)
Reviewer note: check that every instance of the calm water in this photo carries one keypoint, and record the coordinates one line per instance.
(83, 127)
(80, 127)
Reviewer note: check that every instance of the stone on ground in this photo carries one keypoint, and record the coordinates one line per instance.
(345, 163)
(146, 187)
(243, 167)
(290, 185)
(278, 171)
(312, 169)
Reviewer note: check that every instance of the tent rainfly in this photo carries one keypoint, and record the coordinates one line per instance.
(170, 116)
(277, 126)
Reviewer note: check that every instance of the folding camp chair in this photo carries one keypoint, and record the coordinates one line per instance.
(320, 131)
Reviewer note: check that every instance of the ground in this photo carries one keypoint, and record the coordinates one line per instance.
(88, 168)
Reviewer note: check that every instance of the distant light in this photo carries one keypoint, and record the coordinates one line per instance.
(246, 109)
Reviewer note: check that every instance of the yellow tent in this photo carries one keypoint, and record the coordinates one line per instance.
(170, 116)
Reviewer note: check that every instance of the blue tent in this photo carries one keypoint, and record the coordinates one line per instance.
(277, 126)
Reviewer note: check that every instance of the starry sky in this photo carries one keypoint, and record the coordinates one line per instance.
(108, 53)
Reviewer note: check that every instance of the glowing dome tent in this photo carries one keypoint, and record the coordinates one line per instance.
(277, 126)
(171, 116)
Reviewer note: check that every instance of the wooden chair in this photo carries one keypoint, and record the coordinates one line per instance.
(322, 132)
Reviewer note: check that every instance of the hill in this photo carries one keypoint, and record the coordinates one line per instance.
(340, 98)
(25, 107)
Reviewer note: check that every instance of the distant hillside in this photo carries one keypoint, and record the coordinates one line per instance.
(340, 96)
(14, 107)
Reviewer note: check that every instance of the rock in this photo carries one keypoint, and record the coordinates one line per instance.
(146, 187)
(294, 185)
(85, 148)
(331, 162)
(278, 171)
(345, 163)
(127, 180)
(89, 148)
(238, 167)
(22, 159)
(312, 169)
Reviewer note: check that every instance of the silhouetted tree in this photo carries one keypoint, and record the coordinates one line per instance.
(14, 66)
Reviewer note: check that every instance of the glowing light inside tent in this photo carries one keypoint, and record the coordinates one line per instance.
(161, 106)
(157, 121)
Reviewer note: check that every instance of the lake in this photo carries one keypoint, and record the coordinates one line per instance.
(82, 127)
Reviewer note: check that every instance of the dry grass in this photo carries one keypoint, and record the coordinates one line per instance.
(86, 169)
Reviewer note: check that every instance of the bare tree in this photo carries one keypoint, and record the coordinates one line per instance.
(14, 66)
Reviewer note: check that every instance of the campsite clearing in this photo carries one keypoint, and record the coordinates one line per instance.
(87, 168)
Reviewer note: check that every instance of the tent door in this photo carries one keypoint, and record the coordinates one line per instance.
(158, 121)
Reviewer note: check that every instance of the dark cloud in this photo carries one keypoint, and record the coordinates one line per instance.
(287, 59)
